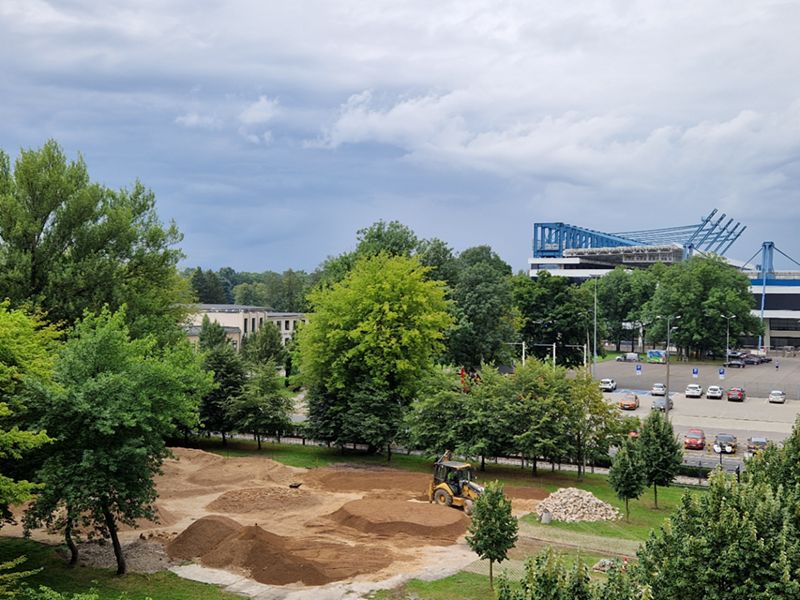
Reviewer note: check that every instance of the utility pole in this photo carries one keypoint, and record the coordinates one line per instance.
(554, 356)
(669, 330)
(523, 352)
(594, 354)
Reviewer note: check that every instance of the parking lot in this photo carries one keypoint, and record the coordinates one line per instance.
(753, 417)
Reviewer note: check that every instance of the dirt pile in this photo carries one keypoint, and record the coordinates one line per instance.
(249, 500)
(349, 479)
(439, 525)
(274, 559)
(573, 505)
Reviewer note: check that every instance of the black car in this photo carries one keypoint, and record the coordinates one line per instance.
(735, 364)
(751, 359)
(725, 443)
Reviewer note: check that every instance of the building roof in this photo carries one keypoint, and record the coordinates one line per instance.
(231, 308)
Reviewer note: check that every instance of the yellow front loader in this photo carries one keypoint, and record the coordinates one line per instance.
(453, 484)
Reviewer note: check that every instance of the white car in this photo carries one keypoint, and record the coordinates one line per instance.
(777, 397)
(658, 389)
(607, 385)
(714, 392)
(694, 390)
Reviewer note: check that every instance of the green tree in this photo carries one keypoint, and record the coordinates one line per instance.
(700, 290)
(27, 359)
(735, 541)
(252, 294)
(436, 420)
(264, 346)
(68, 245)
(392, 238)
(616, 302)
(377, 332)
(118, 399)
(263, 408)
(438, 256)
(208, 287)
(593, 424)
(212, 334)
(626, 476)
(493, 530)
(229, 375)
(661, 453)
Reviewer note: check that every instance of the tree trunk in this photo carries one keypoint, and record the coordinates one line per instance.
(389, 452)
(112, 531)
(533, 467)
(627, 512)
(483, 462)
(258, 440)
(655, 494)
(491, 574)
(278, 438)
(73, 549)
(224, 439)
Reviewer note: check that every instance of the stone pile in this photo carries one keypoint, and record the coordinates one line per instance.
(573, 505)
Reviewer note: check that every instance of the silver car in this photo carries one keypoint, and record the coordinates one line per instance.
(608, 385)
(694, 390)
(777, 397)
(715, 392)
(658, 389)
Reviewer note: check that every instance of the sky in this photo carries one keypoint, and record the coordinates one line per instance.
(272, 131)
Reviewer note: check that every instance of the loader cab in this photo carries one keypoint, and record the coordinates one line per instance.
(452, 473)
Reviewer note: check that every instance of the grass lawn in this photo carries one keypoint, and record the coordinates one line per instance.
(56, 574)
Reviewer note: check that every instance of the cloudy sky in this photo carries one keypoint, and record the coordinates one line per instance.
(272, 131)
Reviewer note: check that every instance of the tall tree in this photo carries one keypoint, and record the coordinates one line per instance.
(616, 302)
(376, 333)
(118, 399)
(229, 376)
(626, 476)
(660, 452)
(263, 407)
(264, 345)
(493, 529)
(27, 359)
(68, 245)
(212, 334)
(392, 238)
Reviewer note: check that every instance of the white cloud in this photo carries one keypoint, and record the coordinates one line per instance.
(196, 120)
(259, 112)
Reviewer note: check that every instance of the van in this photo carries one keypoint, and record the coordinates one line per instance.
(628, 357)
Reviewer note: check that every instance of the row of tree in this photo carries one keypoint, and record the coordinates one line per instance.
(283, 292)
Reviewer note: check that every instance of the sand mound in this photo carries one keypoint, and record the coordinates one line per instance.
(202, 536)
(237, 470)
(222, 543)
(441, 525)
(346, 479)
(166, 518)
(250, 500)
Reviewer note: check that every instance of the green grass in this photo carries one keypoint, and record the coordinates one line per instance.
(643, 515)
(57, 575)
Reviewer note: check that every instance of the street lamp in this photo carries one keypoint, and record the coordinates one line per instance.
(727, 334)
(669, 318)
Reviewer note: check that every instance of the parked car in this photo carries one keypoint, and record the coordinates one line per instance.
(630, 401)
(756, 444)
(751, 359)
(607, 385)
(695, 439)
(735, 364)
(662, 403)
(736, 395)
(658, 389)
(725, 443)
(714, 392)
(694, 390)
(777, 397)
(628, 357)
(735, 354)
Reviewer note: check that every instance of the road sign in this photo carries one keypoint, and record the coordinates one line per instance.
(721, 373)
(695, 372)
(638, 369)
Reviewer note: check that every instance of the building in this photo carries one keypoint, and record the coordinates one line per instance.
(241, 320)
(579, 253)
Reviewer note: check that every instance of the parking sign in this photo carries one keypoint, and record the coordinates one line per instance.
(638, 369)
(721, 373)
(695, 372)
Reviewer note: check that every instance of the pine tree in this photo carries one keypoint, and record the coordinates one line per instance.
(660, 451)
(493, 530)
(626, 475)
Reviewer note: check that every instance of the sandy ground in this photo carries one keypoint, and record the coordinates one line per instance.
(342, 526)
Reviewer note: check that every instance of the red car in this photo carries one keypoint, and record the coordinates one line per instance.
(736, 395)
(695, 439)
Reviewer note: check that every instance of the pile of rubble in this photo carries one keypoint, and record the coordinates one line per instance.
(573, 505)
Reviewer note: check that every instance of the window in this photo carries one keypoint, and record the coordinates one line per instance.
(260, 322)
(287, 325)
(253, 321)
(245, 324)
(784, 324)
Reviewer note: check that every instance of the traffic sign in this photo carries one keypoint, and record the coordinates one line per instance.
(695, 372)
(721, 373)
(638, 369)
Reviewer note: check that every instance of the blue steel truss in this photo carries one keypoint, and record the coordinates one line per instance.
(710, 235)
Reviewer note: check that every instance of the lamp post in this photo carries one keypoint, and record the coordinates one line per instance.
(727, 334)
(669, 330)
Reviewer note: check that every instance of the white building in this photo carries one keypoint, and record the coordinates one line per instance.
(240, 320)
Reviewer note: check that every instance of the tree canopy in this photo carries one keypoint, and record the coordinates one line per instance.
(370, 342)
(68, 245)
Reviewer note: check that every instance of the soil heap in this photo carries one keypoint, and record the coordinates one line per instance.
(573, 505)
(439, 525)
(268, 558)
